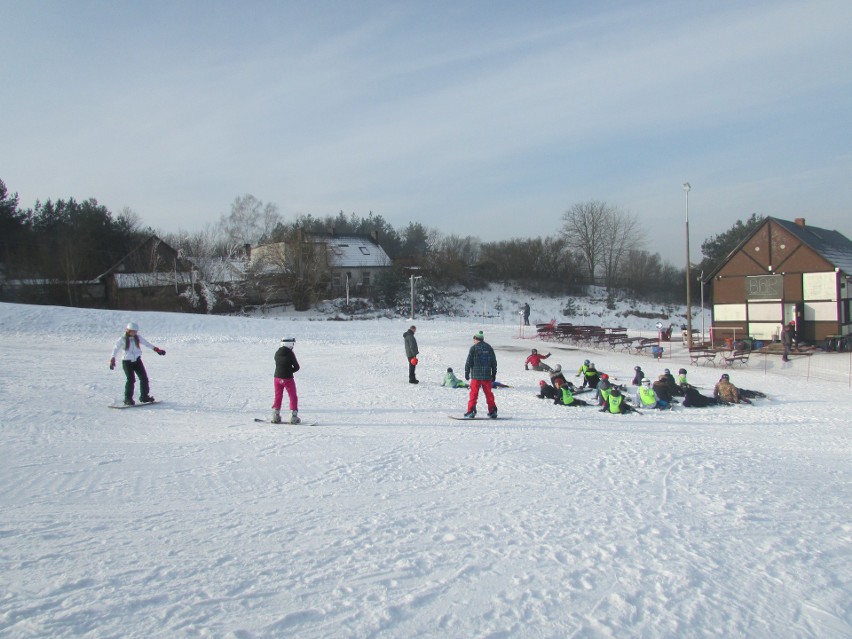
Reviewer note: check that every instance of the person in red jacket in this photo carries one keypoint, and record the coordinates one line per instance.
(536, 360)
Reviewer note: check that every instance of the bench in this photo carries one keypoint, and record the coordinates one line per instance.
(649, 344)
(735, 357)
(702, 356)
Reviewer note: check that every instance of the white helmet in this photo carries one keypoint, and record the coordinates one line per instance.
(132, 326)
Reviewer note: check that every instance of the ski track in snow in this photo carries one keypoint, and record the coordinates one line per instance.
(186, 518)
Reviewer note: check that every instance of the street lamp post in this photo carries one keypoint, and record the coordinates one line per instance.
(701, 279)
(413, 279)
(686, 188)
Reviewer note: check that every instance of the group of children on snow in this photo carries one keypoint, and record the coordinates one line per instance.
(611, 397)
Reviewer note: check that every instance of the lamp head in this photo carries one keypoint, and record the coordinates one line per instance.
(687, 186)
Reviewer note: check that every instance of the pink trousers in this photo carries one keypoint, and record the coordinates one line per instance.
(290, 385)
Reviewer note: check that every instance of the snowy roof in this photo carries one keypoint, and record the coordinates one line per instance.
(354, 251)
(150, 280)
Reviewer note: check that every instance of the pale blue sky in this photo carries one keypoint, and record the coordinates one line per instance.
(475, 118)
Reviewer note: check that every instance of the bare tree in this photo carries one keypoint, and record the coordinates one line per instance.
(623, 234)
(250, 221)
(602, 235)
(584, 228)
(296, 268)
(451, 256)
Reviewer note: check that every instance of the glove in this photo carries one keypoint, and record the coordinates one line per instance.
(526, 368)
(112, 363)
(159, 351)
(548, 354)
(467, 377)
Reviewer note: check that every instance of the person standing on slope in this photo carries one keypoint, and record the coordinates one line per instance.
(130, 345)
(411, 353)
(481, 369)
(285, 365)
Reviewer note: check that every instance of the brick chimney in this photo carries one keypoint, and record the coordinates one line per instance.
(800, 221)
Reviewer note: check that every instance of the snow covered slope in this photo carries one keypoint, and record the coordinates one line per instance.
(187, 519)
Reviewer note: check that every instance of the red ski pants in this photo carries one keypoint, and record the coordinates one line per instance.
(485, 385)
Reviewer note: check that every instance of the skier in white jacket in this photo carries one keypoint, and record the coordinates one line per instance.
(131, 361)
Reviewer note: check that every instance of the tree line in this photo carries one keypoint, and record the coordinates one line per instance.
(597, 243)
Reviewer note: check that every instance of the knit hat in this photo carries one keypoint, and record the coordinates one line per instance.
(479, 336)
(449, 370)
(288, 342)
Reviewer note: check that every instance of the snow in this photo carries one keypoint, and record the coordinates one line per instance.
(188, 519)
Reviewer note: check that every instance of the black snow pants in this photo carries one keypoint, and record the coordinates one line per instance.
(131, 370)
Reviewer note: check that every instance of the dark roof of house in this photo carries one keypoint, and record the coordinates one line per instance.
(835, 247)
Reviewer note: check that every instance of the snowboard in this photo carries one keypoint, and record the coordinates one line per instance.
(470, 419)
(283, 423)
(136, 405)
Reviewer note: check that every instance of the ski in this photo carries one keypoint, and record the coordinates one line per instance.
(136, 405)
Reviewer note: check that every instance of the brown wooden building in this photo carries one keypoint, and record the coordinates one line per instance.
(151, 278)
(784, 271)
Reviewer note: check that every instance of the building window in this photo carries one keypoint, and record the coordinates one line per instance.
(364, 250)
(365, 278)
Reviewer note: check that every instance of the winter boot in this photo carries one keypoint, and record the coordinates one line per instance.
(470, 414)
(276, 416)
(294, 417)
(147, 399)
(129, 402)
(493, 413)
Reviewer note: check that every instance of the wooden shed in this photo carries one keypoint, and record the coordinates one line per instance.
(784, 271)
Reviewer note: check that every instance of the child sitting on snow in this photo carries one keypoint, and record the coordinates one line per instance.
(451, 381)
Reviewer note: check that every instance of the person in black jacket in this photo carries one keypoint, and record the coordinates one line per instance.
(411, 353)
(285, 365)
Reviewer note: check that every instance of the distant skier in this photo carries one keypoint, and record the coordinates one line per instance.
(787, 336)
(131, 361)
(285, 365)
(481, 370)
(526, 312)
(411, 353)
(638, 376)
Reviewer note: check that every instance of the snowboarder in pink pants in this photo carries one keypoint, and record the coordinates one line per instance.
(285, 365)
